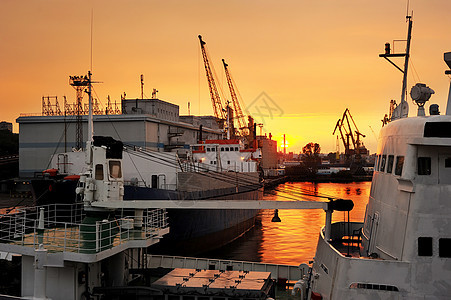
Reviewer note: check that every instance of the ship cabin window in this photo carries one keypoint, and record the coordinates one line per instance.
(213, 149)
(222, 148)
(375, 162)
(424, 246)
(228, 162)
(391, 159)
(115, 169)
(379, 162)
(448, 162)
(154, 181)
(384, 159)
(236, 149)
(99, 172)
(227, 149)
(399, 165)
(424, 166)
(444, 247)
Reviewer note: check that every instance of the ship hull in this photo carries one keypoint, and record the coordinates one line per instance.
(194, 231)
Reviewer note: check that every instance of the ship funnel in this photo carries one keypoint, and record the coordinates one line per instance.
(447, 58)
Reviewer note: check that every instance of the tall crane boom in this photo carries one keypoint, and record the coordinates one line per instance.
(218, 109)
(239, 116)
(350, 135)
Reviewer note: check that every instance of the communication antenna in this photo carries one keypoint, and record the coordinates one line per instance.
(92, 21)
(402, 110)
(142, 86)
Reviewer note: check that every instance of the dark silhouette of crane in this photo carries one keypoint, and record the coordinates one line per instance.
(350, 136)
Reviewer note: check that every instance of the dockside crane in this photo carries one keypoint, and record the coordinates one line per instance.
(243, 129)
(218, 108)
(350, 136)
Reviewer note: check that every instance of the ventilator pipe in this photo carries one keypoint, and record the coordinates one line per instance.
(40, 273)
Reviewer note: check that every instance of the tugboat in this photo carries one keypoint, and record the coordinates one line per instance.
(404, 244)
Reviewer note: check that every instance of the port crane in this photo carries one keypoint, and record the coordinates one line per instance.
(242, 130)
(350, 136)
(218, 108)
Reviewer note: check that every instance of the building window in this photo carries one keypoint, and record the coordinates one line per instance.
(99, 172)
(444, 247)
(424, 166)
(399, 165)
(384, 159)
(222, 148)
(228, 162)
(227, 149)
(236, 148)
(424, 246)
(391, 159)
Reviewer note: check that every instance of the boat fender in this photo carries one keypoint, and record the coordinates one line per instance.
(299, 289)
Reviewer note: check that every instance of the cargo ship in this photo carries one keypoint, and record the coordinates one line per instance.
(214, 169)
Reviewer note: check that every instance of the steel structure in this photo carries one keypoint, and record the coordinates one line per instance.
(350, 135)
(243, 130)
(218, 108)
(79, 83)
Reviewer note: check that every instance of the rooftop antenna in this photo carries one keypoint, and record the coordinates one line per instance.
(92, 22)
(142, 86)
(447, 58)
(402, 110)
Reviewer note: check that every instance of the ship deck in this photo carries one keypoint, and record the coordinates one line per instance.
(346, 239)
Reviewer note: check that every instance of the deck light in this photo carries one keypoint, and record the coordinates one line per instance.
(276, 216)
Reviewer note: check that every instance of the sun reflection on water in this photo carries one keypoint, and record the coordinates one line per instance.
(293, 241)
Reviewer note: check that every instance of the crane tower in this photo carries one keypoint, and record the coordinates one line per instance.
(218, 108)
(79, 83)
(239, 116)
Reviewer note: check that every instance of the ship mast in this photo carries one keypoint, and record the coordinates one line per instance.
(90, 117)
(402, 110)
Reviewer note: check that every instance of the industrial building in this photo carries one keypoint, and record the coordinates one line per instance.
(153, 124)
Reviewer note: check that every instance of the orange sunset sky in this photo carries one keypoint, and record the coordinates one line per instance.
(311, 59)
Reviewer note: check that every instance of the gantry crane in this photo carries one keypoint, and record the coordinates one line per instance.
(218, 108)
(243, 130)
(350, 135)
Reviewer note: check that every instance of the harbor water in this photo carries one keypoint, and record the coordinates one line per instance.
(293, 240)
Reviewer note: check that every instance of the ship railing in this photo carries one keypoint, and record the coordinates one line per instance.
(66, 228)
(346, 237)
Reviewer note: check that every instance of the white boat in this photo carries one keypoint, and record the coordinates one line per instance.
(402, 250)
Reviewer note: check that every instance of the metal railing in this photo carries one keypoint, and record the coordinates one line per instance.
(66, 228)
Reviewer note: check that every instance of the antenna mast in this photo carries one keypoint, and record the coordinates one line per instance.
(142, 86)
(402, 110)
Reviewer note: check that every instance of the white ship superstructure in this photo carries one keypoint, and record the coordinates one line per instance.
(402, 250)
